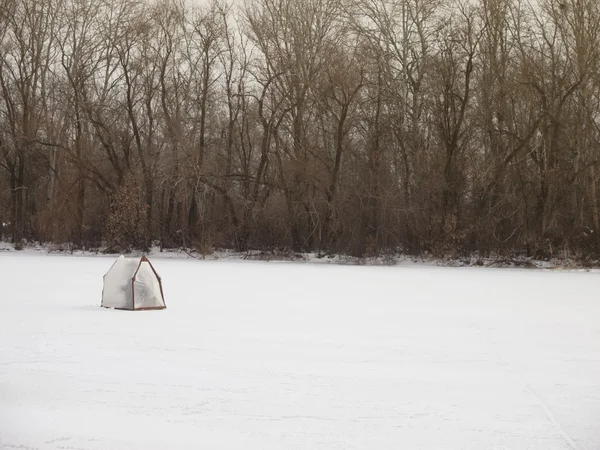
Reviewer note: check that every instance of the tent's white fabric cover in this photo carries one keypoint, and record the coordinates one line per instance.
(132, 284)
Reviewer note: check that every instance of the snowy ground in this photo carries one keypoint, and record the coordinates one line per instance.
(253, 355)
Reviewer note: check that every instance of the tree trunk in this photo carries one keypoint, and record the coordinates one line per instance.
(594, 205)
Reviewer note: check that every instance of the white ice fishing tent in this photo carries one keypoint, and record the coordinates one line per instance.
(132, 284)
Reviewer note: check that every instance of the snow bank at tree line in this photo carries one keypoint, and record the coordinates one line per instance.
(559, 263)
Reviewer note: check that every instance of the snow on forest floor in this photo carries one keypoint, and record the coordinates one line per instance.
(561, 261)
(254, 355)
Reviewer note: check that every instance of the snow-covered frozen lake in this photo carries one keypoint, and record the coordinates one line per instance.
(252, 355)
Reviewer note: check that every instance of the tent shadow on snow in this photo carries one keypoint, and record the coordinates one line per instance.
(132, 284)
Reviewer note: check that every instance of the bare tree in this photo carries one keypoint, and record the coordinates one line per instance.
(29, 51)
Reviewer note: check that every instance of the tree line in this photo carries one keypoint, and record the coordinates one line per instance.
(347, 126)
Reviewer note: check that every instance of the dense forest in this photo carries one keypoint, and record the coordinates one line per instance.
(346, 126)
